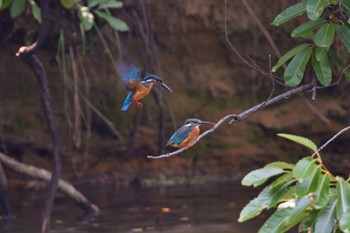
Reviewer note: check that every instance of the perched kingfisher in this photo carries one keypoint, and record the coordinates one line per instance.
(187, 134)
(137, 87)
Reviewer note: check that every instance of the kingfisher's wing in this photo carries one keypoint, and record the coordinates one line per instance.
(128, 101)
(180, 135)
(129, 74)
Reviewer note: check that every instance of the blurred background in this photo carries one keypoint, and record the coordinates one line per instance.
(105, 149)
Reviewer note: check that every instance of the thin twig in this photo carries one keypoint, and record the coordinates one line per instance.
(330, 140)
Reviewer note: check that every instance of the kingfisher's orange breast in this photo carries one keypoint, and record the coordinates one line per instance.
(141, 91)
(191, 138)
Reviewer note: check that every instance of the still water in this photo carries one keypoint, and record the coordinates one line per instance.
(185, 209)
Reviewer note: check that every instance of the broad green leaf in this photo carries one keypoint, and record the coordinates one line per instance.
(35, 10)
(325, 35)
(294, 72)
(325, 221)
(110, 4)
(276, 222)
(320, 52)
(346, 3)
(114, 22)
(17, 7)
(300, 207)
(321, 196)
(307, 27)
(344, 222)
(255, 206)
(86, 17)
(322, 69)
(5, 4)
(288, 55)
(314, 8)
(68, 4)
(337, 60)
(344, 34)
(281, 164)
(93, 3)
(290, 13)
(260, 176)
(299, 139)
(304, 168)
(267, 198)
(309, 221)
(0, 3)
(282, 179)
(309, 185)
(343, 194)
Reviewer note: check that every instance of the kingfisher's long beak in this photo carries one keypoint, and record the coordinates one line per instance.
(166, 87)
(206, 123)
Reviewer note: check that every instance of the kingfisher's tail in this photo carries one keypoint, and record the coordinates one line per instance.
(127, 102)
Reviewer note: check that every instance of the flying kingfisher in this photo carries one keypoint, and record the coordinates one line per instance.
(187, 134)
(137, 87)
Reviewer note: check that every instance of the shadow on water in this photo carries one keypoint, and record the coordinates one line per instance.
(187, 209)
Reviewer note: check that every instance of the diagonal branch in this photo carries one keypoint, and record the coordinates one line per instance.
(45, 175)
(235, 118)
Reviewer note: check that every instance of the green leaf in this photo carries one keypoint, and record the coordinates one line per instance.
(320, 52)
(309, 221)
(93, 3)
(5, 4)
(114, 22)
(336, 59)
(35, 10)
(282, 180)
(267, 198)
(325, 35)
(299, 139)
(343, 194)
(346, 3)
(86, 17)
(309, 185)
(288, 55)
(111, 4)
(321, 196)
(315, 8)
(300, 207)
(260, 176)
(306, 28)
(344, 222)
(276, 222)
(68, 4)
(281, 164)
(17, 8)
(290, 13)
(0, 3)
(344, 35)
(322, 69)
(304, 168)
(295, 69)
(325, 221)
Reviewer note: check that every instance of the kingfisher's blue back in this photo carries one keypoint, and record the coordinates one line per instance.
(181, 134)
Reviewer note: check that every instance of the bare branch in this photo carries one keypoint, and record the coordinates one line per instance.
(330, 140)
(45, 175)
(235, 118)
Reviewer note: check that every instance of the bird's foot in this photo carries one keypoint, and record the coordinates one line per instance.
(138, 104)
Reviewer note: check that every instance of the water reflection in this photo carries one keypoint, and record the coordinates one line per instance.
(187, 209)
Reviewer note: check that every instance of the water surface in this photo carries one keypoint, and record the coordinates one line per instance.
(187, 209)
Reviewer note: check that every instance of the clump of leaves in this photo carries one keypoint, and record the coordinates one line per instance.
(305, 193)
(326, 18)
